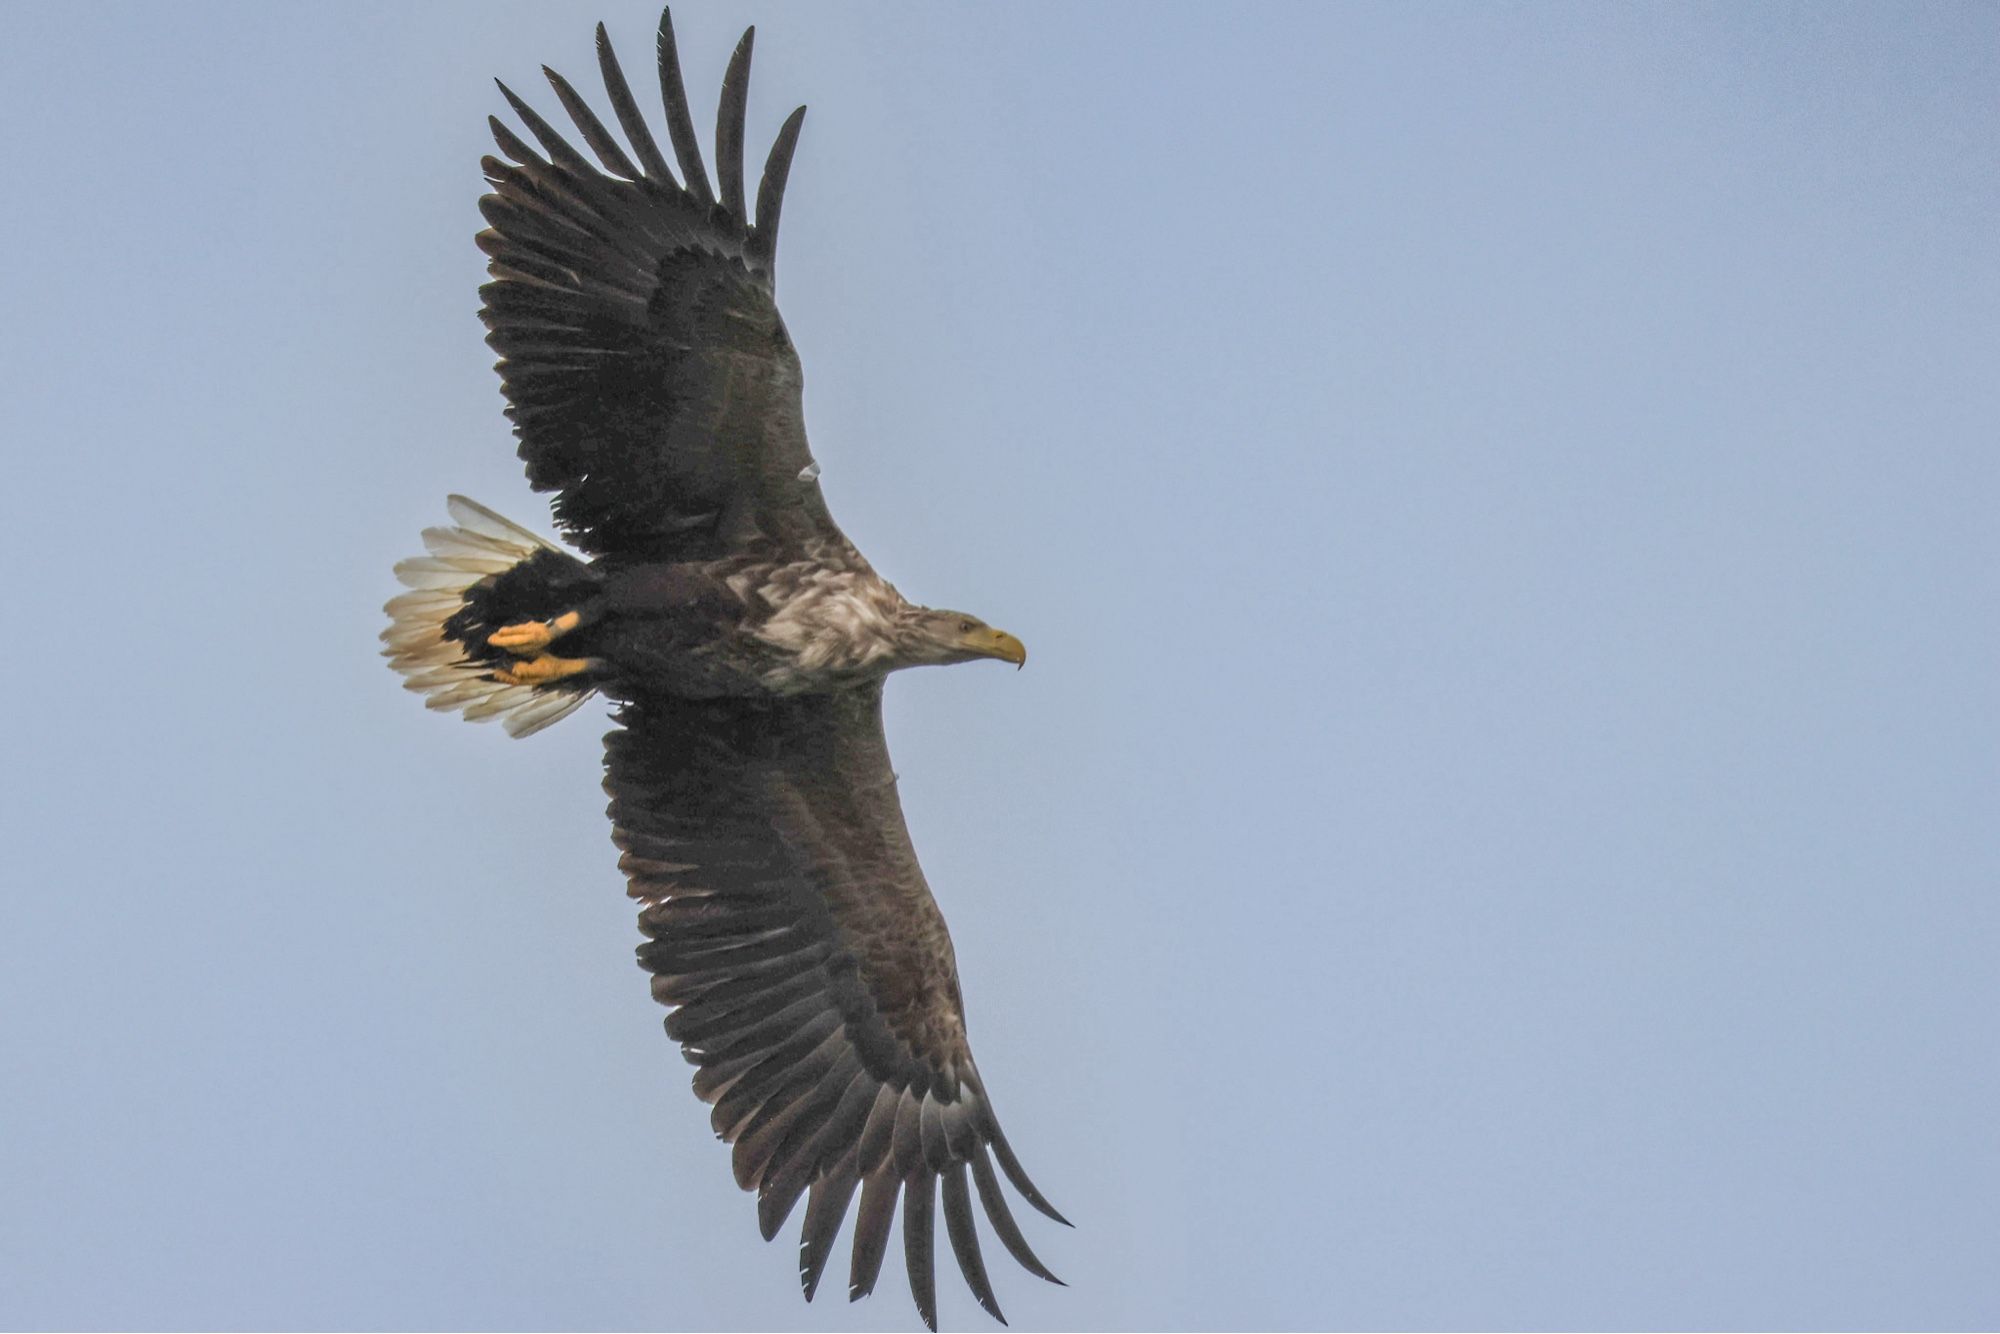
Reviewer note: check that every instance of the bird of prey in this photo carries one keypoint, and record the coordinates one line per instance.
(744, 642)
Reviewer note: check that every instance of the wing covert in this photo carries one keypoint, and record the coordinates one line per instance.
(649, 376)
(812, 976)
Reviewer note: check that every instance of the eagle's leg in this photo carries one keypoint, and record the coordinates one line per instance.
(542, 669)
(526, 638)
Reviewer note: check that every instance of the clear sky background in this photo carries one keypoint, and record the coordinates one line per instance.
(1499, 828)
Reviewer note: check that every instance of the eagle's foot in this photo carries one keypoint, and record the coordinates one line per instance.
(541, 670)
(526, 638)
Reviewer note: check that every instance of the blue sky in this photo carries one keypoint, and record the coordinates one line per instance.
(1498, 829)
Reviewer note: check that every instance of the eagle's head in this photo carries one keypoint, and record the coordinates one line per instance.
(931, 637)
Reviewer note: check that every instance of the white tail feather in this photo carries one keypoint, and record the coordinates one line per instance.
(481, 544)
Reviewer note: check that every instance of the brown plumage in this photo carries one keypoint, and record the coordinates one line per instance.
(656, 393)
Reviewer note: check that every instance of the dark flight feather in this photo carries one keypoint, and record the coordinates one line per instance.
(729, 126)
(872, 1221)
(771, 191)
(593, 131)
(1002, 1218)
(826, 1209)
(1012, 1167)
(557, 147)
(964, 1234)
(680, 120)
(510, 143)
(626, 108)
(878, 1131)
(919, 1243)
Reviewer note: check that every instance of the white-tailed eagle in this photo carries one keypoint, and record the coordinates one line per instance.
(745, 642)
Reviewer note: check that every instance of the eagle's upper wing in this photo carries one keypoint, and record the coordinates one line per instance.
(649, 377)
(817, 992)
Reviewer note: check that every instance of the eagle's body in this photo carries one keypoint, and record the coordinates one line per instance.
(746, 641)
(825, 622)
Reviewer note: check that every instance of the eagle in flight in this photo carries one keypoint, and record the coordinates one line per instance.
(745, 642)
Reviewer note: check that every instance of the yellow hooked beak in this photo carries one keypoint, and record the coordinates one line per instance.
(990, 643)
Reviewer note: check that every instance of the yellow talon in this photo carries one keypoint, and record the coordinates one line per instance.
(542, 670)
(528, 637)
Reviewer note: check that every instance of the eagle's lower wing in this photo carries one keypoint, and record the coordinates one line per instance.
(647, 372)
(813, 975)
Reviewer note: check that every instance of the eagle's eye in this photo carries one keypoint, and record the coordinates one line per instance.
(965, 627)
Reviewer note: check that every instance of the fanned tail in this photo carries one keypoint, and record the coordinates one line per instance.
(483, 573)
